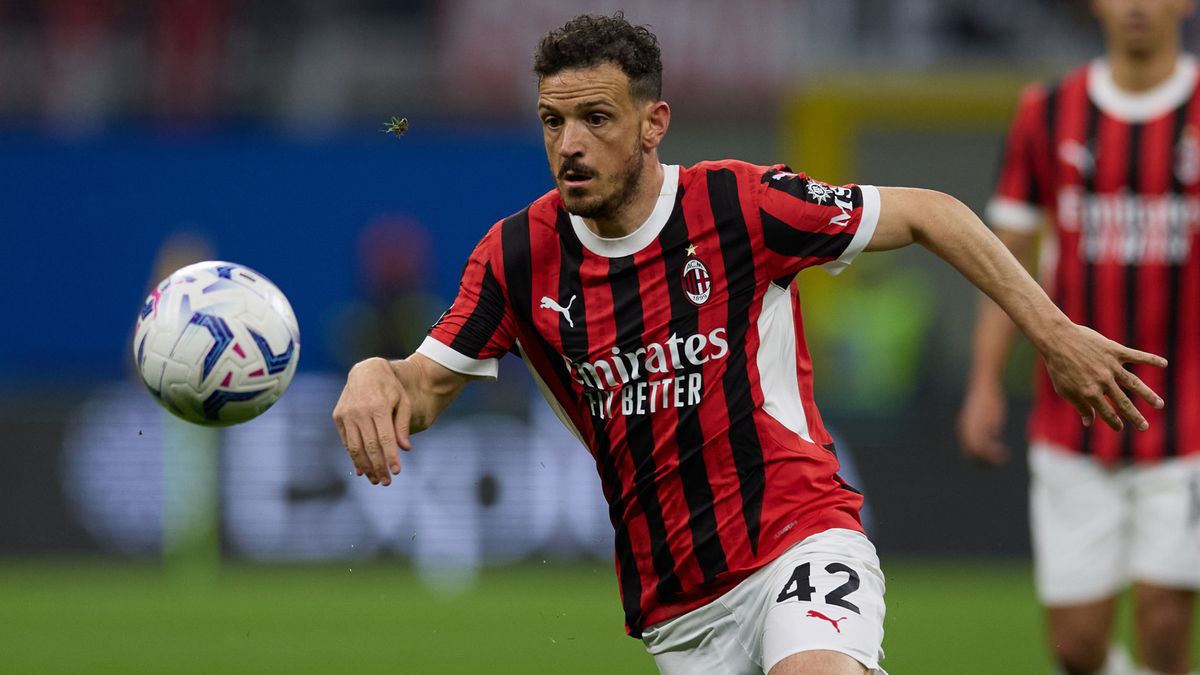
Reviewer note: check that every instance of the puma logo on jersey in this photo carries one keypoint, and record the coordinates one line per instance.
(548, 303)
(1078, 155)
(833, 622)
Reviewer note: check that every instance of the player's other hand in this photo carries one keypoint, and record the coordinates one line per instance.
(1088, 370)
(372, 419)
(981, 422)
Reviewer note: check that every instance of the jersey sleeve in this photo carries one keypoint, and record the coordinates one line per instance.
(477, 329)
(806, 222)
(1016, 203)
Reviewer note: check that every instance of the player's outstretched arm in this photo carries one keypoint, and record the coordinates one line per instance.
(981, 420)
(385, 401)
(1087, 369)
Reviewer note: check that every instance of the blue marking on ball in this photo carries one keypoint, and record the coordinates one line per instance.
(276, 363)
(141, 353)
(218, 399)
(222, 337)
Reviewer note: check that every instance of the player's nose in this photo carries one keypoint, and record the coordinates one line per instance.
(571, 141)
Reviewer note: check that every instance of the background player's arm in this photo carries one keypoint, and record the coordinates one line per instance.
(385, 401)
(1086, 368)
(981, 421)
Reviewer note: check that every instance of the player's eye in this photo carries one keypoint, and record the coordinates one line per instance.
(596, 119)
(551, 122)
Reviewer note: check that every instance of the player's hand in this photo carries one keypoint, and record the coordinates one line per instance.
(1088, 370)
(372, 419)
(981, 422)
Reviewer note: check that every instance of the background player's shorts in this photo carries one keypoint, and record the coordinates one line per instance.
(826, 592)
(1096, 529)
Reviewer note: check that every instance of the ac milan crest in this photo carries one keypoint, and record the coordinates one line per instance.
(697, 284)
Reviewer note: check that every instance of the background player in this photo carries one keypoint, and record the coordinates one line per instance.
(1110, 153)
(654, 305)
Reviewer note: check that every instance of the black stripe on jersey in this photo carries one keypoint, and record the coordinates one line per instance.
(1133, 183)
(1052, 100)
(739, 399)
(574, 340)
(1090, 231)
(485, 318)
(1169, 420)
(575, 345)
(788, 241)
(639, 432)
(689, 437)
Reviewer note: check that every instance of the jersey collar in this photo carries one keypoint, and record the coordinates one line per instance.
(640, 238)
(1141, 106)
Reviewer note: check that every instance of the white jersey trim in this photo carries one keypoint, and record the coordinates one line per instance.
(1134, 107)
(640, 238)
(866, 230)
(777, 362)
(437, 352)
(1013, 215)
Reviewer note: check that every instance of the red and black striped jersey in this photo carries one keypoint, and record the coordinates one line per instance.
(1119, 176)
(676, 354)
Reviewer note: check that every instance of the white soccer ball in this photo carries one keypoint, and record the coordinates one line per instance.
(216, 343)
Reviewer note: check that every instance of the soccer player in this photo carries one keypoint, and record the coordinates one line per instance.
(654, 305)
(1110, 154)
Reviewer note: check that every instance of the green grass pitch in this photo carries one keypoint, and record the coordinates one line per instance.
(111, 617)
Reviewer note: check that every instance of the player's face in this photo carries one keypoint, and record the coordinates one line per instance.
(593, 133)
(1141, 26)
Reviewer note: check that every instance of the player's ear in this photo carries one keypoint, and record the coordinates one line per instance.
(657, 119)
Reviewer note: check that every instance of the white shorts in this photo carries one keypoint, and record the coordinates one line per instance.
(826, 592)
(1096, 529)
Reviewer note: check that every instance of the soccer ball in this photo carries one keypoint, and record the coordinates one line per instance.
(216, 343)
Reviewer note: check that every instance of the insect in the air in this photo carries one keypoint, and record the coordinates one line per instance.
(396, 126)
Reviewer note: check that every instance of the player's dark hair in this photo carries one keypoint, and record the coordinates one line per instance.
(591, 39)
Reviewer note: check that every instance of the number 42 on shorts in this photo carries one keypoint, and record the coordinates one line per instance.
(799, 587)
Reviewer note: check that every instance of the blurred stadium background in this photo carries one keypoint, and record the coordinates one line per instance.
(139, 135)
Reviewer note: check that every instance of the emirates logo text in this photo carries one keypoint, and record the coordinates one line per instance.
(1128, 228)
(633, 382)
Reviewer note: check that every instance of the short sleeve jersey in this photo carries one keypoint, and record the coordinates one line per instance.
(1118, 176)
(676, 355)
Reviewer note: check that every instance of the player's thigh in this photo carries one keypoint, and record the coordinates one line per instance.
(1079, 515)
(819, 663)
(1166, 523)
(1080, 634)
(825, 594)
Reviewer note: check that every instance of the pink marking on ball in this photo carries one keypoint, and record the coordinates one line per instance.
(257, 373)
(228, 378)
(238, 348)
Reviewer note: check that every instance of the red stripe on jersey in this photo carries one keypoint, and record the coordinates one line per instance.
(1183, 396)
(1184, 366)
(1107, 296)
(1158, 142)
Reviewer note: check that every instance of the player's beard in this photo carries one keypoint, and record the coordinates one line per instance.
(624, 185)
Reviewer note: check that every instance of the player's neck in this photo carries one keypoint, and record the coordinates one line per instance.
(1137, 72)
(635, 212)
